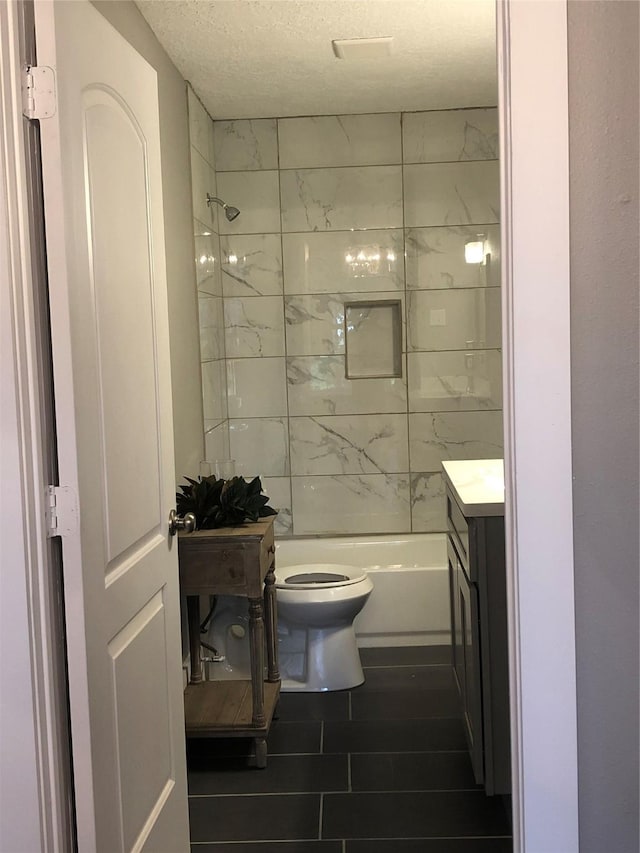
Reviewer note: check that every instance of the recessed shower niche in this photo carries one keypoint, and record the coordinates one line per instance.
(373, 339)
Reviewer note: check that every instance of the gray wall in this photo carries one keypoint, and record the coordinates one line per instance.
(178, 226)
(603, 94)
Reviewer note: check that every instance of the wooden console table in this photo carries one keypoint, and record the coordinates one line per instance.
(233, 561)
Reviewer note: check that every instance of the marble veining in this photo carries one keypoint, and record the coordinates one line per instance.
(341, 199)
(454, 381)
(478, 144)
(278, 489)
(369, 444)
(368, 503)
(345, 140)
(251, 265)
(444, 135)
(317, 386)
(453, 435)
(315, 324)
(428, 503)
(254, 326)
(245, 144)
(283, 525)
(452, 193)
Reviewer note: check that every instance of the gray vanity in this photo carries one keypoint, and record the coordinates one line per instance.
(477, 582)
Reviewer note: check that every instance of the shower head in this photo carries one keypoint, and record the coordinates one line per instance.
(230, 212)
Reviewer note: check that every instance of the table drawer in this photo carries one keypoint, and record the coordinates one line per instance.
(226, 561)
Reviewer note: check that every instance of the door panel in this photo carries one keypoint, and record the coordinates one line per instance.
(146, 729)
(115, 169)
(107, 279)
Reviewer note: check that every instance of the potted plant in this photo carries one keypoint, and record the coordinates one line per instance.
(223, 503)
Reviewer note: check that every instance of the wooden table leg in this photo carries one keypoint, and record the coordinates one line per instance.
(256, 648)
(193, 618)
(271, 619)
(260, 745)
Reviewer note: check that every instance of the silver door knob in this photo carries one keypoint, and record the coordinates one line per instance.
(176, 523)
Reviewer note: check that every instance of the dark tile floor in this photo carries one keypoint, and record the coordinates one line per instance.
(382, 768)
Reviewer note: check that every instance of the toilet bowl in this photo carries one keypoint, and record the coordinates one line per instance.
(316, 642)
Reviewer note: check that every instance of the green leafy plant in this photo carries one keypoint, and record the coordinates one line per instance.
(223, 503)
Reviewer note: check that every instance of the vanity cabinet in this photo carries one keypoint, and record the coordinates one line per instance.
(465, 644)
(477, 585)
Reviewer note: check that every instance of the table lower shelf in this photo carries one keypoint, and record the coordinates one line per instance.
(225, 709)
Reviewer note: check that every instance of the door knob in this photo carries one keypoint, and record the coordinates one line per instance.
(176, 523)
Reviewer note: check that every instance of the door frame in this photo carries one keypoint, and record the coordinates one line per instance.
(534, 164)
(37, 797)
(535, 234)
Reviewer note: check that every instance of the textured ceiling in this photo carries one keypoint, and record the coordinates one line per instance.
(260, 58)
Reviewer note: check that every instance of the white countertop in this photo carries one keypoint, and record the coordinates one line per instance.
(478, 485)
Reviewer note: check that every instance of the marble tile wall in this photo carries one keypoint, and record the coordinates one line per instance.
(338, 209)
(206, 224)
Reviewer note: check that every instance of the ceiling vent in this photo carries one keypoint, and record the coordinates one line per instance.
(374, 48)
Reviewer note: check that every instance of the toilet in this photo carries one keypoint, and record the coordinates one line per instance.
(316, 641)
(317, 604)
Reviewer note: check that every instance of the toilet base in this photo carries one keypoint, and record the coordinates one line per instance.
(330, 661)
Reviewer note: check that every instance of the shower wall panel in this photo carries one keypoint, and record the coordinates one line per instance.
(206, 223)
(341, 209)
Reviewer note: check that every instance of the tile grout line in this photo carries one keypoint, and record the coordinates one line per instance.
(360, 838)
(371, 752)
(408, 301)
(475, 790)
(283, 296)
(307, 232)
(384, 165)
(292, 799)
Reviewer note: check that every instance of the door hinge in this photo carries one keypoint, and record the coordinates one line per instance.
(38, 91)
(61, 511)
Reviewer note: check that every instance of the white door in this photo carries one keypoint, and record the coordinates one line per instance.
(107, 279)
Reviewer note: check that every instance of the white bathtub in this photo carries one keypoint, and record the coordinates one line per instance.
(409, 605)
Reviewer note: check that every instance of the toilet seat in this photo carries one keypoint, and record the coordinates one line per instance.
(317, 576)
